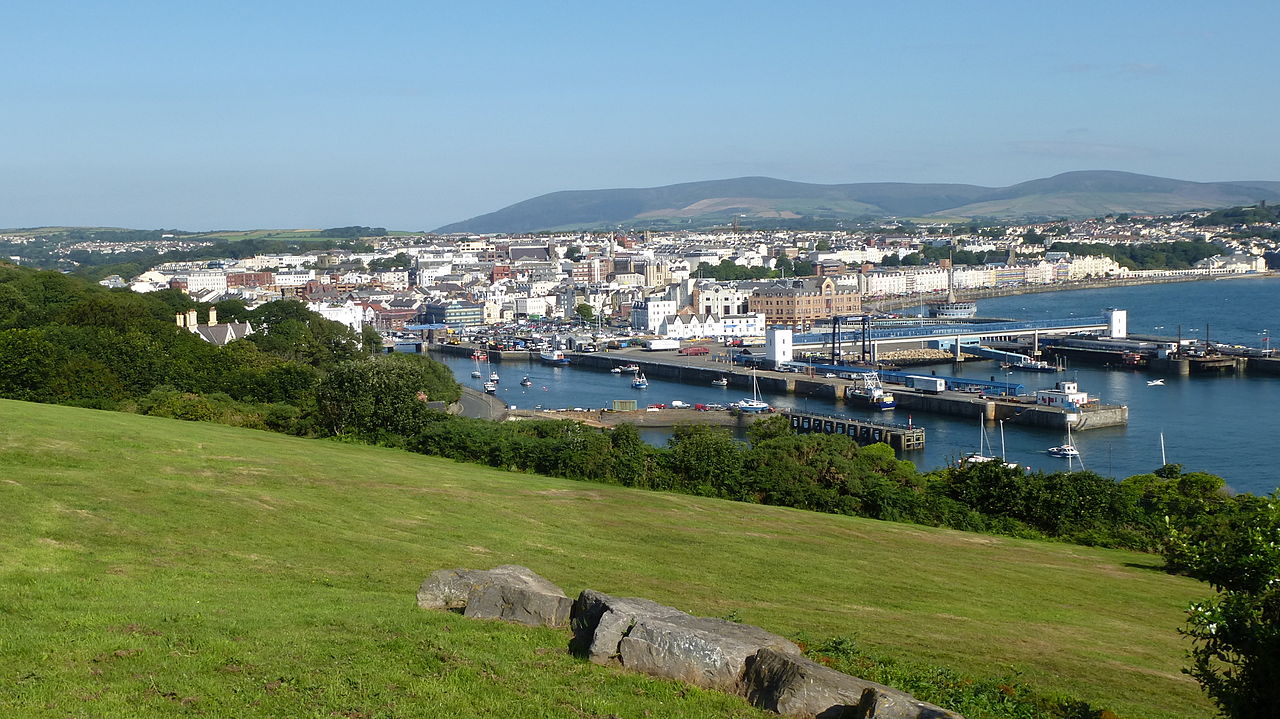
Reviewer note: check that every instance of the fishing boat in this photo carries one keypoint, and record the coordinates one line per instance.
(491, 387)
(480, 355)
(720, 381)
(869, 391)
(526, 382)
(640, 382)
(555, 357)
(754, 403)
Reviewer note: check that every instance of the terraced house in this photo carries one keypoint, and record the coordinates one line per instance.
(801, 301)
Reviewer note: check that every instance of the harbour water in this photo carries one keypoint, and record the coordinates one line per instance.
(1225, 425)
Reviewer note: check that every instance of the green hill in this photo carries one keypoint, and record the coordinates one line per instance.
(764, 199)
(157, 568)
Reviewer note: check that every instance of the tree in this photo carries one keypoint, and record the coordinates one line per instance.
(585, 311)
(822, 246)
(1236, 657)
(383, 395)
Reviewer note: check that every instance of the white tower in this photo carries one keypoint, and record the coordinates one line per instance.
(1117, 323)
(777, 346)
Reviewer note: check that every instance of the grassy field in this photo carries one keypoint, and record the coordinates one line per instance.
(156, 568)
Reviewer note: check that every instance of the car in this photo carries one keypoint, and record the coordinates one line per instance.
(830, 375)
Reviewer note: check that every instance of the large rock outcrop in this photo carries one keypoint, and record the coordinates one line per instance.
(510, 592)
(665, 642)
(796, 686)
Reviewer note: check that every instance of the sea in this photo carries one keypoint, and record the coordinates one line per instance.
(1222, 424)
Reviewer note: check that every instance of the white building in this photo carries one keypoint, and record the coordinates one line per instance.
(648, 315)
(348, 313)
(292, 278)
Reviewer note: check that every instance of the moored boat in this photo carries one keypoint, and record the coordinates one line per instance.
(640, 382)
(491, 387)
(754, 403)
(720, 381)
(526, 382)
(555, 357)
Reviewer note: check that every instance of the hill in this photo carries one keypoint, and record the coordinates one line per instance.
(156, 567)
(756, 199)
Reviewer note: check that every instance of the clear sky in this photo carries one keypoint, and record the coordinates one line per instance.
(409, 115)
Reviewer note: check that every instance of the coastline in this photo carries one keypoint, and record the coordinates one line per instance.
(900, 302)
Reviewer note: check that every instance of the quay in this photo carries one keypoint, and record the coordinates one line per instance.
(963, 397)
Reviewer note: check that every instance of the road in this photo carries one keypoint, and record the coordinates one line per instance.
(479, 405)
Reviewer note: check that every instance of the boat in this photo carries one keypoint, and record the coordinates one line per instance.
(479, 355)
(477, 373)
(494, 378)
(640, 382)
(1067, 450)
(526, 382)
(1155, 382)
(555, 357)
(491, 387)
(869, 391)
(616, 370)
(754, 403)
(720, 381)
(1031, 365)
(983, 446)
(953, 307)
(629, 368)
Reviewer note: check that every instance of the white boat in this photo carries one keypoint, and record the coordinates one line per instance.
(616, 370)
(493, 377)
(1155, 382)
(477, 373)
(720, 381)
(870, 391)
(526, 382)
(629, 368)
(640, 382)
(754, 404)
(984, 446)
(1067, 450)
(491, 387)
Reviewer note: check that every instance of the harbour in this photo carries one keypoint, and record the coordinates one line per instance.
(1219, 423)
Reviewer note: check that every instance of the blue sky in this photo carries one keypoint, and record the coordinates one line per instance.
(410, 115)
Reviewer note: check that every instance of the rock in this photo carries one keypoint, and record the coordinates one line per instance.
(892, 704)
(710, 653)
(600, 621)
(510, 592)
(447, 588)
(796, 686)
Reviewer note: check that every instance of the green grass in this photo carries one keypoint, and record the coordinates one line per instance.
(154, 567)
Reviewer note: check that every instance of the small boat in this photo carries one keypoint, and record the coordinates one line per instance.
(640, 382)
(1155, 382)
(526, 382)
(493, 377)
(491, 387)
(720, 381)
(555, 357)
(616, 370)
(477, 373)
(985, 446)
(871, 392)
(629, 368)
(1064, 450)
(754, 403)
(1032, 366)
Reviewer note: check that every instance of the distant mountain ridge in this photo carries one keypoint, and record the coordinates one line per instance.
(1086, 193)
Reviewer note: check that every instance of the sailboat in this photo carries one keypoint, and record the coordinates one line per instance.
(1066, 449)
(476, 372)
(640, 382)
(978, 457)
(754, 404)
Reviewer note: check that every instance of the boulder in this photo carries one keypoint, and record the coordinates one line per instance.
(600, 621)
(797, 686)
(710, 653)
(510, 592)
(891, 704)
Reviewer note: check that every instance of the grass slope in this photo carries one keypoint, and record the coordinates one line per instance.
(155, 567)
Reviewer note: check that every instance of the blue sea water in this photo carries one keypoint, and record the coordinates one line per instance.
(1226, 425)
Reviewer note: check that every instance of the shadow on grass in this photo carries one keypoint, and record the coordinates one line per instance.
(1148, 567)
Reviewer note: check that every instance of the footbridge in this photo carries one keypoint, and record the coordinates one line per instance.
(896, 336)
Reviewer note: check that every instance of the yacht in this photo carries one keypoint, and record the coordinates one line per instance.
(491, 387)
(754, 404)
(720, 381)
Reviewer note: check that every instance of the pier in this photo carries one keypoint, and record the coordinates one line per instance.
(901, 437)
